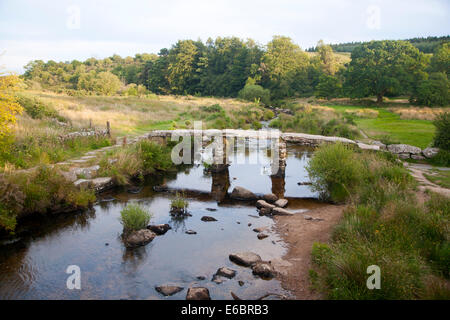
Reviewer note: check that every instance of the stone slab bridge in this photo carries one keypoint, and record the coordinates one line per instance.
(228, 137)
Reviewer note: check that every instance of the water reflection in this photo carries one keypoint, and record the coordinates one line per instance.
(34, 267)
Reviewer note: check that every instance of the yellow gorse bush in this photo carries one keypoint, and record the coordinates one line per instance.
(9, 107)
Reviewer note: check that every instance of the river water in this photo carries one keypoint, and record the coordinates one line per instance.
(34, 265)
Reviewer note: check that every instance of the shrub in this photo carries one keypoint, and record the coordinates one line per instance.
(36, 109)
(335, 172)
(442, 136)
(134, 217)
(252, 92)
(268, 115)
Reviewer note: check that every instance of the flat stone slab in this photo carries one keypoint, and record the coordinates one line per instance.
(263, 204)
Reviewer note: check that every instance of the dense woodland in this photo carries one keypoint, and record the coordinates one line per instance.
(232, 67)
(425, 45)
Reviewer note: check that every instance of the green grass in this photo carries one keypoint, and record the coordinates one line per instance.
(439, 177)
(418, 133)
(134, 217)
(383, 225)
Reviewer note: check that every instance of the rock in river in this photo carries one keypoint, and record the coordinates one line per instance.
(246, 259)
(263, 269)
(270, 197)
(167, 290)
(240, 193)
(263, 204)
(281, 203)
(262, 236)
(198, 293)
(208, 219)
(139, 238)
(226, 272)
(191, 232)
(159, 229)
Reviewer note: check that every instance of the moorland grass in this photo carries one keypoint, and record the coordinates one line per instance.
(383, 225)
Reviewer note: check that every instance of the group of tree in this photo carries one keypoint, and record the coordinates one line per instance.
(232, 67)
(425, 45)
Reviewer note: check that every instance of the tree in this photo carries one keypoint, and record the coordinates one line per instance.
(442, 136)
(107, 83)
(440, 62)
(328, 61)
(281, 65)
(382, 67)
(434, 91)
(9, 107)
(328, 87)
(182, 65)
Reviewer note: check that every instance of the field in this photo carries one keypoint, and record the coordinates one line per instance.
(388, 125)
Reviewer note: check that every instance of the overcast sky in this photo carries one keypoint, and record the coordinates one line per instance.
(67, 30)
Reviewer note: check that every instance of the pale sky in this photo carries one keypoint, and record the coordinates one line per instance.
(66, 30)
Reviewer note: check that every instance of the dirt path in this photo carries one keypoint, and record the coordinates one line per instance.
(300, 234)
(418, 173)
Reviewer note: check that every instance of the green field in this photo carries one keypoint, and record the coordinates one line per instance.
(413, 132)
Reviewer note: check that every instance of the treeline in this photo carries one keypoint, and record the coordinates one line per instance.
(425, 45)
(232, 67)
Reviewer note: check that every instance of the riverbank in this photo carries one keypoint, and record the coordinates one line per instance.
(300, 232)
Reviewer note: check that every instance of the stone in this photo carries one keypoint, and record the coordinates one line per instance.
(198, 293)
(211, 209)
(83, 183)
(103, 183)
(240, 193)
(263, 204)
(261, 229)
(87, 173)
(265, 211)
(226, 272)
(159, 229)
(217, 279)
(281, 212)
(270, 197)
(167, 290)
(404, 155)
(134, 190)
(417, 157)
(380, 144)
(241, 283)
(69, 175)
(403, 148)
(304, 183)
(208, 219)
(201, 278)
(263, 269)
(191, 232)
(246, 259)
(139, 238)
(281, 203)
(262, 236)
(430, 152)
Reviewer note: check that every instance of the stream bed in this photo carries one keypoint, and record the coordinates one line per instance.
(34, 265)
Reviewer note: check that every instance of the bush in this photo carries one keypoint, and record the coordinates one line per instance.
(36, 109)
(179, 205)
(268, 115)
(134, 217)
(252, 92)
(441, 159)
(335, 172)
(442, 136)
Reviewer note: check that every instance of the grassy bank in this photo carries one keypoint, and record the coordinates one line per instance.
(384, 225)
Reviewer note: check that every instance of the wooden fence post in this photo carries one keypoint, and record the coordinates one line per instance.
(108, 129)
